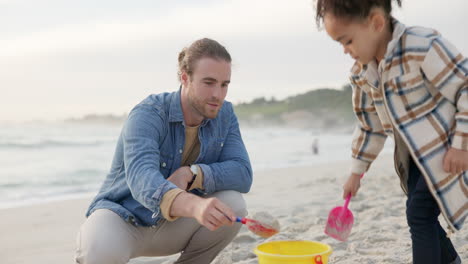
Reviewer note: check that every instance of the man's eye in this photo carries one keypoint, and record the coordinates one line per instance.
(349, 42)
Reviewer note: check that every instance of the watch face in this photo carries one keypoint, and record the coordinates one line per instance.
(194, 169)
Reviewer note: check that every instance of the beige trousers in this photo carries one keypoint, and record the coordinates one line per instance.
(105, 238)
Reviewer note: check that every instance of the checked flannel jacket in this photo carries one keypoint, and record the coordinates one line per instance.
(418, 93)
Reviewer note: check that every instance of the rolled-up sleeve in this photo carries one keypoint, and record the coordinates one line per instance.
(233, 171)
(141, 135)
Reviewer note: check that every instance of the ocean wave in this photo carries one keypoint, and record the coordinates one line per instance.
(73, 178)
(52, 144)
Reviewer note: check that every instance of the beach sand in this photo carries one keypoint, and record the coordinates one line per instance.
(300, 199)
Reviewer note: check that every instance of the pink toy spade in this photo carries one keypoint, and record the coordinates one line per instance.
(340, 221)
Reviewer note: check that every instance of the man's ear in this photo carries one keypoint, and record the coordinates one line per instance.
(184, 78)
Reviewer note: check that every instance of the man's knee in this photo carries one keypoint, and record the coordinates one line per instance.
(234, 200)
(100, 240)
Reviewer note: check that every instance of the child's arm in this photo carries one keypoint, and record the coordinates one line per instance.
(369, 137)
(447, 69)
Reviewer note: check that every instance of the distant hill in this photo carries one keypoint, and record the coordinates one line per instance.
(98, 119)
(324, 108)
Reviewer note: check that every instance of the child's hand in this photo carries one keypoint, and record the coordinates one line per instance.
(456, 161)
(352, 185)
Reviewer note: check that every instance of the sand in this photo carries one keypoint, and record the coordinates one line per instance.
(299, 198)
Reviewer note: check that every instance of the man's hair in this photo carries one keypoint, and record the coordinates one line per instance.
(202, 48)
(351, 9)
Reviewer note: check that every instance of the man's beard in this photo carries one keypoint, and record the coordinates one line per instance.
(200, 106)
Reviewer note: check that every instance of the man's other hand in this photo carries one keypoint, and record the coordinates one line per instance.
(181, 177)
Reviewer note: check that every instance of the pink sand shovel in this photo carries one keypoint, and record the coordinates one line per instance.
(340, 221)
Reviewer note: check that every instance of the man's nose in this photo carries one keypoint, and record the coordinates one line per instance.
(216, 92)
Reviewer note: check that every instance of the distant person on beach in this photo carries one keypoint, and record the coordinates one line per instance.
(178, 172)
(315, 147)
(411, 84)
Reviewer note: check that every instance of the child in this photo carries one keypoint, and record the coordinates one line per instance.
(411, 84)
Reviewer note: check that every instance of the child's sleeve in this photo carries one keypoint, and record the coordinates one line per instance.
(369, 137)
(447, 69)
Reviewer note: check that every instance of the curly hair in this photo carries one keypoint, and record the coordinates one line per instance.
(350, 9)
(201, 48)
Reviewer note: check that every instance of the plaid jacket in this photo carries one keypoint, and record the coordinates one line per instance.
(420, 91)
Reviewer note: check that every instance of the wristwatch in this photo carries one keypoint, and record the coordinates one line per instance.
(194, 170)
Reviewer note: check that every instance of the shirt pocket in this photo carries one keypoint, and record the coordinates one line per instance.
(165, 164)
(214, 149)
(411, 96)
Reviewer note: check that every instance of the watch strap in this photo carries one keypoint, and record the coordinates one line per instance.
(189, 184)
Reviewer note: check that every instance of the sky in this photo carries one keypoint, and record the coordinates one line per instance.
(62, 58)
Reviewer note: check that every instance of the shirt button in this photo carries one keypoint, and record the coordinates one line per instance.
(180, 150)
(222, 144)
(164, 164)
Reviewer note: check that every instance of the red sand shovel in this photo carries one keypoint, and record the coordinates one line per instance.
(340, 221)
(258, 227)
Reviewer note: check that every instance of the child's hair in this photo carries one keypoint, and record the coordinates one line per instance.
(351, 9)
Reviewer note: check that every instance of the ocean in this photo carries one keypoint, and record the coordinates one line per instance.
(41, 162)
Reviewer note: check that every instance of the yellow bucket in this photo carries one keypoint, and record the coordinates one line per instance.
(293, 252)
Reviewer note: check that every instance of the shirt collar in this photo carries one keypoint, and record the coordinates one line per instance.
(398, 30)
(175, 109)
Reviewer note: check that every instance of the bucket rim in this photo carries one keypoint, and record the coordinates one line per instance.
(325, 253)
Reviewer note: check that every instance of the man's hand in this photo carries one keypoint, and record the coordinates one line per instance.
(456, 161)
(209, 212)
(352, 185)
(212, 213)
(181, 177)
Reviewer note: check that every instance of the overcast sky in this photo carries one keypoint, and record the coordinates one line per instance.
(62, 59)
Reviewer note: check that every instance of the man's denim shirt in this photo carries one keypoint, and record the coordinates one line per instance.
(150, 148)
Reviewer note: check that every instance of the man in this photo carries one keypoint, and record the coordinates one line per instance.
(177, 173)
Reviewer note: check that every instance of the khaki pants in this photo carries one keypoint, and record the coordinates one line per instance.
(105, 238)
